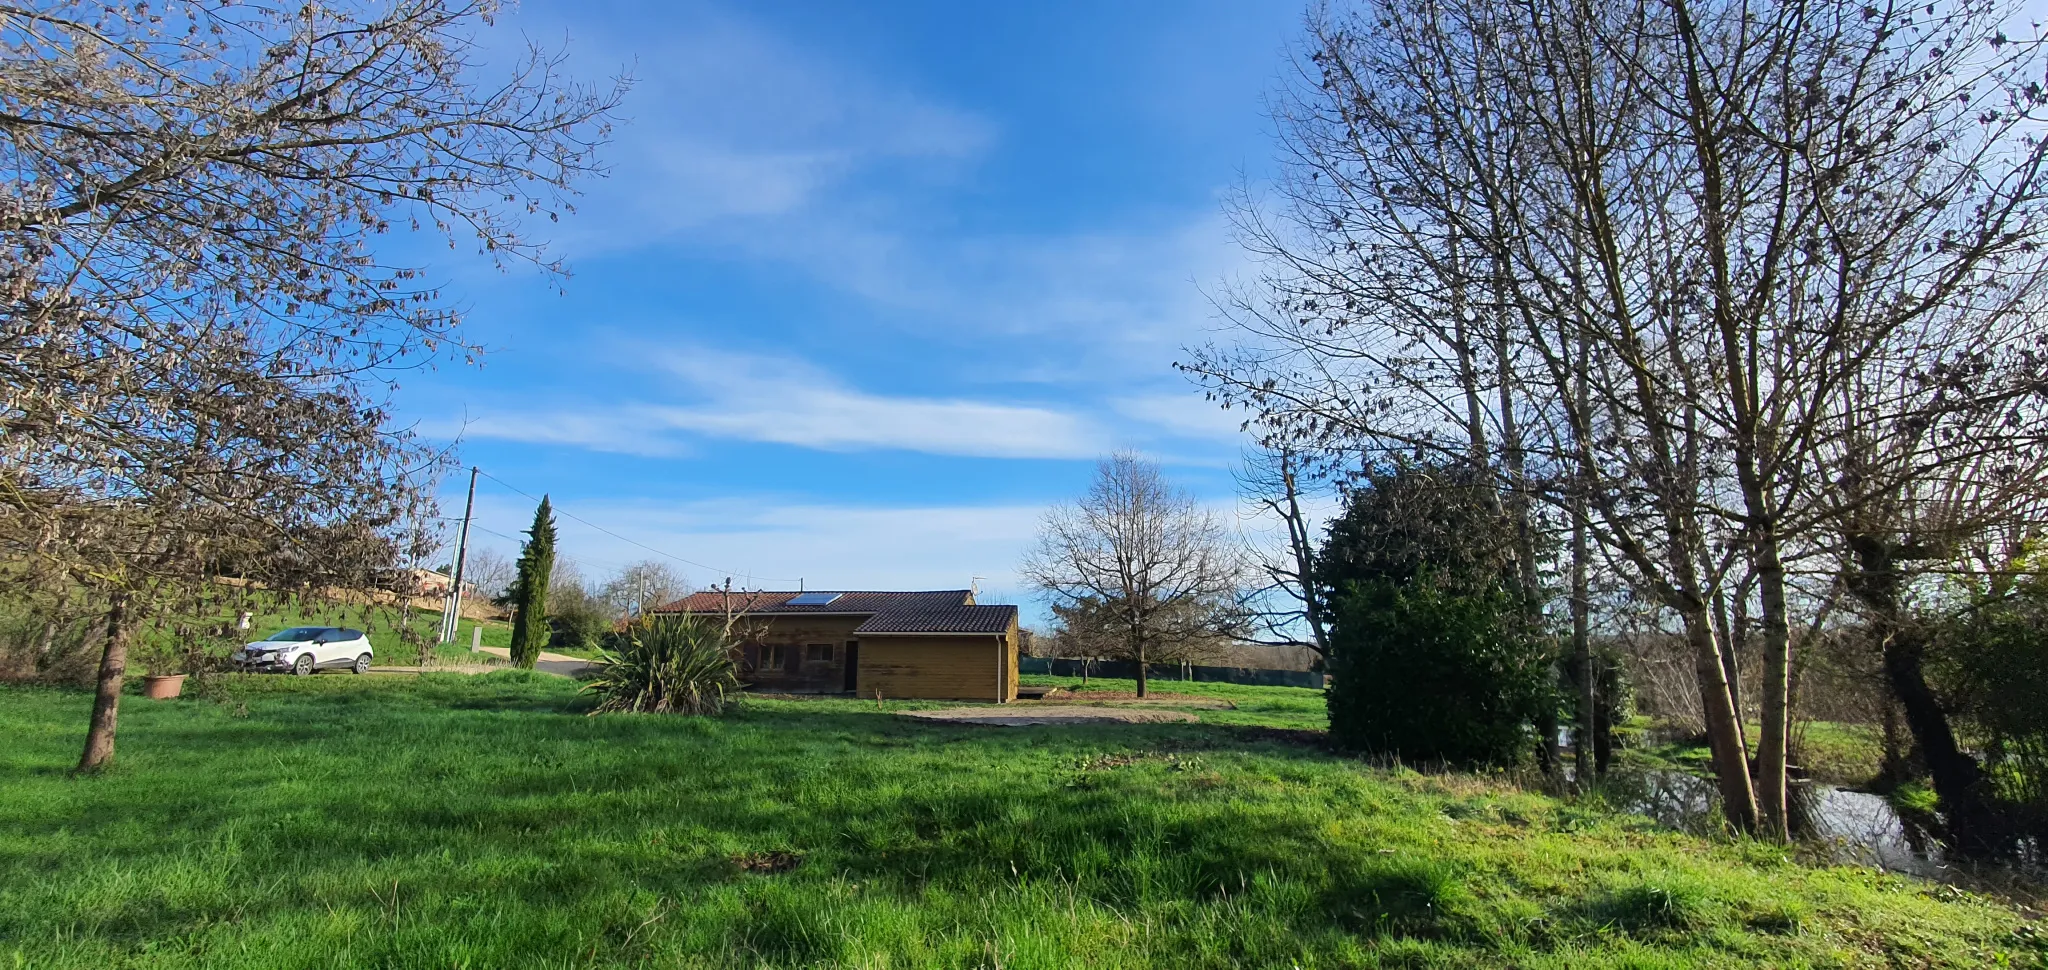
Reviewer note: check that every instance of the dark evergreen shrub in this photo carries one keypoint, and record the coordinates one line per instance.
(1427, 674)
(1437, 651)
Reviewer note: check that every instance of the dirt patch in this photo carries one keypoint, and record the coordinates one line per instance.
(1090, 694)
(769, 863)
(1129, 699)
(1015, 715)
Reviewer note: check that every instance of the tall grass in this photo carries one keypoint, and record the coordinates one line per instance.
(485, 822)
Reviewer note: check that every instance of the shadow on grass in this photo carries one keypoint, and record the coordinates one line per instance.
(497, 786)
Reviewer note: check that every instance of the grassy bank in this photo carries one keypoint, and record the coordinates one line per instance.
(384, 626)
(485, 822)
(1833, 752)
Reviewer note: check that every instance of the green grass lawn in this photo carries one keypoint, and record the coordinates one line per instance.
(485, 822)
(1280, 707)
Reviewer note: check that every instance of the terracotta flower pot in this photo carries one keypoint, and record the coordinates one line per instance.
(164, 687)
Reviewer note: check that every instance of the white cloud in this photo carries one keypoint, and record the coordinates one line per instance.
(727, 125)
(620, 430)
(791, 402)
(743, 145)
(1186, 415)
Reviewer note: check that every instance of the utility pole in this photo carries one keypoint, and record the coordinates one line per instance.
(452, 619)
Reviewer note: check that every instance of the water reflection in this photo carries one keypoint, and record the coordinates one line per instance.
(1848, 827)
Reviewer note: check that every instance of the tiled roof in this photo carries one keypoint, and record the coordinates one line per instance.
(926, 611)
(848, 601)
(953, 619)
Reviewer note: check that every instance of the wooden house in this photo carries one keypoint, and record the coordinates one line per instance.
(935, 644)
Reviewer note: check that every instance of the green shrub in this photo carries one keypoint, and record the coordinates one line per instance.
(667, 665)
(1437, 652)
(1428, 675)
(580, 623)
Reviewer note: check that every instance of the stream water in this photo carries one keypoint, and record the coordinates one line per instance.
(1850, 827)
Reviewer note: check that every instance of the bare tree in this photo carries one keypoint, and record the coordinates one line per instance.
(642, 586)
(1697, 230)
(1291, 603)
(1140, 564)
(195, 330)
(489, 571)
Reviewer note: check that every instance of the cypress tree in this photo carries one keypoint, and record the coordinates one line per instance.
(530, 588)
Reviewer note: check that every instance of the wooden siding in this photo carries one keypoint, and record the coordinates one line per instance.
(975, 667)
(951, 667)
(793, 634)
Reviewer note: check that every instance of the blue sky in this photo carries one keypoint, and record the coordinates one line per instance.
(869, 285)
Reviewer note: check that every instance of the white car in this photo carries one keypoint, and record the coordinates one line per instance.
(304, 649)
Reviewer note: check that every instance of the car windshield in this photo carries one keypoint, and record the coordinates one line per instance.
(298, 633)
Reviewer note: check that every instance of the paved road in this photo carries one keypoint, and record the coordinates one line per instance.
(567, 667)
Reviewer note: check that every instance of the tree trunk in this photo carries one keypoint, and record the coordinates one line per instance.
(1724, 726)
(1958, 780)
(106, 702)
(1582, 648)
(1141, 668)
(1731, 636)
(1894, 772)
(1777, 651)
(1603, 727)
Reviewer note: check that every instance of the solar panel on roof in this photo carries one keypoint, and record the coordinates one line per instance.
(813, 599)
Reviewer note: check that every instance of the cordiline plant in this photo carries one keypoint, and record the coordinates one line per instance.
(667, 665)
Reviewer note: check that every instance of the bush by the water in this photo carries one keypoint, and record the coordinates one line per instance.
(667, 665)
(1436, 654)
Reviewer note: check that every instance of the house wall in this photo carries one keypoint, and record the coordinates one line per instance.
(980, 667)
(793, 634)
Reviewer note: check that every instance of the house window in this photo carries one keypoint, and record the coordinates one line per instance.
(819, 653)
(772, 656)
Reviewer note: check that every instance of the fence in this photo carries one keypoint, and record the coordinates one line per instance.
(1127, 670)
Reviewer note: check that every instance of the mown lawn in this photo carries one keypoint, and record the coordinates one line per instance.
(484, 822)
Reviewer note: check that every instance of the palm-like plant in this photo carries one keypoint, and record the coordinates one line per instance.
(667, 665)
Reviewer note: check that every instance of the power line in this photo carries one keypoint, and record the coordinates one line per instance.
(688, 562)
(579, 560)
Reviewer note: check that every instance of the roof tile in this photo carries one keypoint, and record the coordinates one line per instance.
(954, 619)
(924, 611)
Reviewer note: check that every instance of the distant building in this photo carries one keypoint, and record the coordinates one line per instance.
(934, 644)
(431, 583)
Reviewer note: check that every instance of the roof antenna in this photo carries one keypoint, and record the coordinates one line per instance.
(974, 586)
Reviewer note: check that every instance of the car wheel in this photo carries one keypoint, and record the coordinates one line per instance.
(303, 666)
(362, 664)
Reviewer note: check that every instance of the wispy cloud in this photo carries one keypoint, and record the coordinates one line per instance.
(742, 145)
(1187, 415)
(793, 402)
(728, 125)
